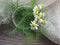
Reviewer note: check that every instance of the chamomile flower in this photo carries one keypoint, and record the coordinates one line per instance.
(41, 14)
(35, 18)
(36, 10)
(36, 13)
(34, 25)
(41, 6)
(42, 21)
(38, 16)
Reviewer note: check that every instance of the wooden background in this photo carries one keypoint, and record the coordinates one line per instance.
(19, 39)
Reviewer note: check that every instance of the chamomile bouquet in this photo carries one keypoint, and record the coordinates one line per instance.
(29, 20)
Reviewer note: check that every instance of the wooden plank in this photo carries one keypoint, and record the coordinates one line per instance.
(19, 39)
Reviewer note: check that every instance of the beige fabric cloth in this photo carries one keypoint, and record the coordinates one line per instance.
(4, 17)
(53, 8)
(53, 28)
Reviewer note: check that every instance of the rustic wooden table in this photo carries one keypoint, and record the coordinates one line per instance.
(19, 39)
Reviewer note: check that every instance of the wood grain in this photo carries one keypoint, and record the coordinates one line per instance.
(19, 39)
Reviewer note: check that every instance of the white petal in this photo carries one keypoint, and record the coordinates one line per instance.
(37, 25)
(35, 18)
(34, 10)
(35, 7)
(40, 20)
(40, 6)
(40, 14)
(36, 28)
(34, 21)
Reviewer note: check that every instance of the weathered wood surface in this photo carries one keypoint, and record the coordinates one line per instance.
(19, 39)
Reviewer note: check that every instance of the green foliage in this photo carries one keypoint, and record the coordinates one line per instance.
(33, 3)
(23, 17)
(14, 6)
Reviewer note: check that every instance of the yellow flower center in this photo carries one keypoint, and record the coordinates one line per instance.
(43, 22)
(37, 12)
(38, 17)
(34, 24)
(37, 9)
(42, 5)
